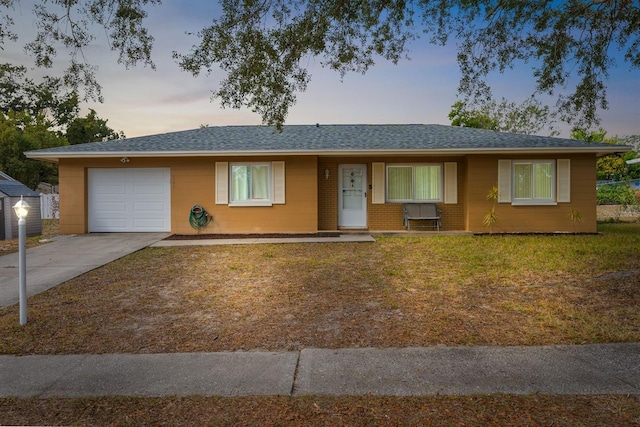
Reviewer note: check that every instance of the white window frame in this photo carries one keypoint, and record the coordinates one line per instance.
(530, 201)
(251, 202)
(413, 165)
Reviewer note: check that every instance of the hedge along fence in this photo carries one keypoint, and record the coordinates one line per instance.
(619, 193)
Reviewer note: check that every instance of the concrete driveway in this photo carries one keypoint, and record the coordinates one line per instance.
(67, 257)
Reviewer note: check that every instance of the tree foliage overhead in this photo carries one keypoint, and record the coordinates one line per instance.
(72, 25)
(40, 115)
(264, 46)
(567, 43)
(50, 98)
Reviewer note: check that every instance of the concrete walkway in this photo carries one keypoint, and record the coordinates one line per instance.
(66, 257)
(587, 369)
(343, 238)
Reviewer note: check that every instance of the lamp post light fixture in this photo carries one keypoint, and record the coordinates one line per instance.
(22, 210)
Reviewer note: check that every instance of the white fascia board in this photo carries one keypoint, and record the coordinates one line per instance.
(599, 151)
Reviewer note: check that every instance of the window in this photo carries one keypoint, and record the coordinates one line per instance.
(250, 183)
(533, 181)
(420, 183)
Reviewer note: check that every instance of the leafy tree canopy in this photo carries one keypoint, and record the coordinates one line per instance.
(264, 46)
(50, 98)
(529, 117)
(90, 129)
(40, 115)
(461, 116)
(613, 167)
(20, 132)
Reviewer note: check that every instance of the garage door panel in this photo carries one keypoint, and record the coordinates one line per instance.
(153, 192)
(113, 190)
(147, 225)
(108, 207)
(129, 200)
(109, 223)
(147, 173)
(141, 190)
(149, 207)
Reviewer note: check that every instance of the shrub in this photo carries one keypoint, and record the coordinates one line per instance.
(616, 194)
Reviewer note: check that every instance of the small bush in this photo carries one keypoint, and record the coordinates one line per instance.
(616, 194)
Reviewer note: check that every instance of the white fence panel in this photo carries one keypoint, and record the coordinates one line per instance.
(50, 206)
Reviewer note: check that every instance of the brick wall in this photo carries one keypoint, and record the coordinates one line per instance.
(388, 216)
(483, 173)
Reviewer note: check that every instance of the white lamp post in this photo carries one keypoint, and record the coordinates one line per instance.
(22, 210)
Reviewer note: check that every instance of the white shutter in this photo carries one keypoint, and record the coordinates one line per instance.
(450, 183)
(377, 178)
(504, 181)
(563, 174)
(278, 182)
(222, 183)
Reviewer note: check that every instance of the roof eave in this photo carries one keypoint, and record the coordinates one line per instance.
(599, 151)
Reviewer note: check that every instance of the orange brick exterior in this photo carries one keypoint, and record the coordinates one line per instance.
(312, 199)
(193, 182)
(482, 174)
(381, 217)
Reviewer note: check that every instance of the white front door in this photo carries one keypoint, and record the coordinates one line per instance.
(352, 196)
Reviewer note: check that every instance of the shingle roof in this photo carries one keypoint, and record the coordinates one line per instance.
(16, 189)
(322, 139)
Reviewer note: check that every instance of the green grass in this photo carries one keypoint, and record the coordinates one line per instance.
(397, 292)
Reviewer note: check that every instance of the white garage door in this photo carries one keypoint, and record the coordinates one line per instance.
(129, 200)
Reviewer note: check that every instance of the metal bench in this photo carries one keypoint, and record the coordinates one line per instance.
(422, 212)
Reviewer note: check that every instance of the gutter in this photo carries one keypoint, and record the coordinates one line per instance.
(598, 151)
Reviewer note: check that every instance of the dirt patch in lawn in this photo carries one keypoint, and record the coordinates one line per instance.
(397, 292)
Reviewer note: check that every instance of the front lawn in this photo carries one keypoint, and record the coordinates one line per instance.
(397, 292)
(453, 290)
(50, 228)
(365, 411)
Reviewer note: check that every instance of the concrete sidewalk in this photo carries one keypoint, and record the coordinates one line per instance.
(66, 257)
(587, 369)
(343, 238)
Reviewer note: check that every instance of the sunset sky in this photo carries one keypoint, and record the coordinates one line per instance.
(141, 101)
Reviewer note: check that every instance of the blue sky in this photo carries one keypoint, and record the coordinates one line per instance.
(141, 101)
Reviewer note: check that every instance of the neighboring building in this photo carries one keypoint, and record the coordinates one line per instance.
(305, 179)
(10, 192)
